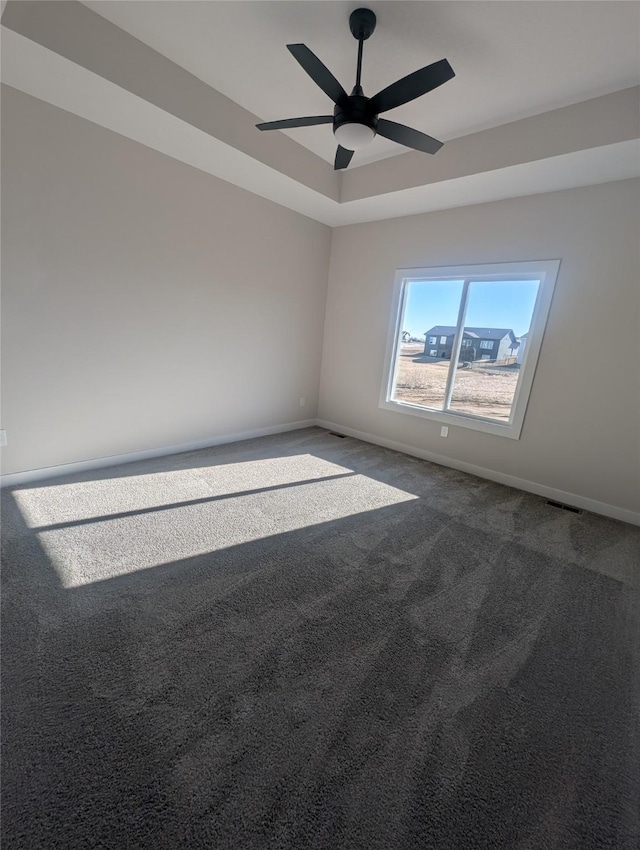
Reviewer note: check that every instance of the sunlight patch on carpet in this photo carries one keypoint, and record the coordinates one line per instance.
(103, 547)
(99, 497)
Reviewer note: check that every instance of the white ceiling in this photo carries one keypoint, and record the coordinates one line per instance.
(512, 59)
(578, 63)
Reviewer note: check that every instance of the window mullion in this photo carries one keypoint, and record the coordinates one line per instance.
(457, 344)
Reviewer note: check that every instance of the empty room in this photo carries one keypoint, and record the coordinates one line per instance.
(320, 425)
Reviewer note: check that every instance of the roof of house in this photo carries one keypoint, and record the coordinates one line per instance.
(479, 333)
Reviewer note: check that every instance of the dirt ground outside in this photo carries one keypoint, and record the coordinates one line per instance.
(481, 390)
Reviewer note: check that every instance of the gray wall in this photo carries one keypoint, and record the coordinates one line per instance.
(145, 303)
(581, 429)
(148, 304)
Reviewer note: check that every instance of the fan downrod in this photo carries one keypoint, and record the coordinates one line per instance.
(362, 23)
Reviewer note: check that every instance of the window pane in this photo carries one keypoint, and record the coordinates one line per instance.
(495, 337)
(422, 360)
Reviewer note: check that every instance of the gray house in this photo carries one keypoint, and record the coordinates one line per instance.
(477, 343)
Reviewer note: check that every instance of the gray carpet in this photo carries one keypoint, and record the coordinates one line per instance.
(309, 642)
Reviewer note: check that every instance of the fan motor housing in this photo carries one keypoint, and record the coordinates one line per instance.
(362, 23)
(356, 110)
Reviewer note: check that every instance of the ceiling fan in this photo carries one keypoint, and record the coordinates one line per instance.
(355, 117)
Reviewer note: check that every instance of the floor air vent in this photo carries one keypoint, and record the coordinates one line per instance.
(564, 507)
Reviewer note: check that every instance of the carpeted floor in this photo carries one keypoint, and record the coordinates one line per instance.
(304, 641)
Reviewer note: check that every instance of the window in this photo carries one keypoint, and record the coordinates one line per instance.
(483, 384)
(443, 340)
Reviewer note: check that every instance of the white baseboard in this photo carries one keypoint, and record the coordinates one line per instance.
(577, 501)
(32, 475)
(592, 505)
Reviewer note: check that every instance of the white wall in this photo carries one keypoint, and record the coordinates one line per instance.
(582, 429)
(145, 303)
(148, 304)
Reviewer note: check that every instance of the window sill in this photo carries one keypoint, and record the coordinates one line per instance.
(461, 420)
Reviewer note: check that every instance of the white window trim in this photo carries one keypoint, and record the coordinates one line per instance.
(546, 271)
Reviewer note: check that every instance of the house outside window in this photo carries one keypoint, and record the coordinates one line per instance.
(479, 380)
(433, 340)
(443, 340)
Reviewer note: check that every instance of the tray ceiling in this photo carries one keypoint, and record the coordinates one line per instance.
(546, 95)
(512, 59)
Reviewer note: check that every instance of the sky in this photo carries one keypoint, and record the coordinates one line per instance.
(495, 304)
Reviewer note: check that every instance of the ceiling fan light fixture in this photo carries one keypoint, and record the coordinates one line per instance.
(356, 118)
(353, 136)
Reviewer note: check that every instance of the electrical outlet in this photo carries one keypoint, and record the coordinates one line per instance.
(3, 437)
(303, 401)
(444, 431)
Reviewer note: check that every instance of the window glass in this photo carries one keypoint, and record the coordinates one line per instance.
(420, 374)
(487, 388)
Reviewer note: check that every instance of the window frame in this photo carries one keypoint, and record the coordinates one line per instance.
(545, 271)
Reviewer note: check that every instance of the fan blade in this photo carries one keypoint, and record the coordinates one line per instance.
(407, 136)
(343, 158)
(296, 122)
(318, 72)
(412, 86)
